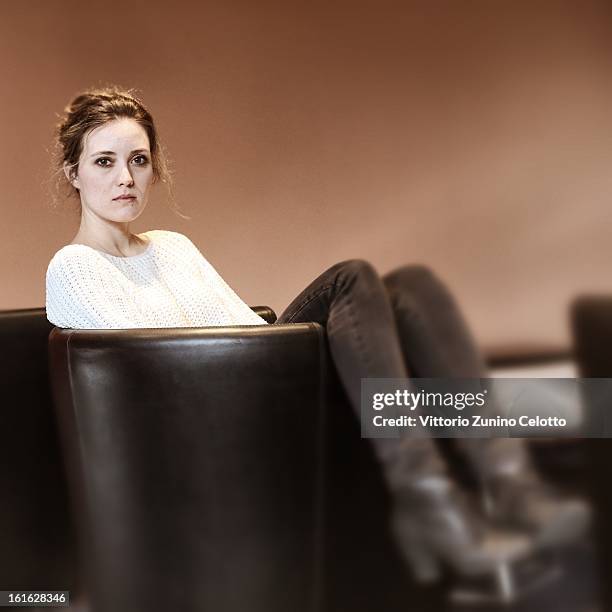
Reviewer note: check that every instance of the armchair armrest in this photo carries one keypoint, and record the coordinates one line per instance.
(265, 312)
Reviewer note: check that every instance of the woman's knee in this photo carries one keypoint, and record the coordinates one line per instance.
(415, 277)
(356, 268)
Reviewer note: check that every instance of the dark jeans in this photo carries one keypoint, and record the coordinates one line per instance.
(405, 323)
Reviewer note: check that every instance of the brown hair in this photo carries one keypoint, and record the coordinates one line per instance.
(94, 108)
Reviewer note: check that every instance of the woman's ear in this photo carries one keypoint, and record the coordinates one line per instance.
(71, 175)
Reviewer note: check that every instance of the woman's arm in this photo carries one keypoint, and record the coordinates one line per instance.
(225, 293)
(83, 293)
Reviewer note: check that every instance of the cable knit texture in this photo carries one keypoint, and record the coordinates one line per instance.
(170, 284)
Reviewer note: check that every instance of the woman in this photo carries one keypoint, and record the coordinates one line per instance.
(109, 277)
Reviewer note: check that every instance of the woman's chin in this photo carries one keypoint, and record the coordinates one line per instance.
(127, 214)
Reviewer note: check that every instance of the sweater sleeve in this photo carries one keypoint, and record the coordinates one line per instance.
(238, 306)
(81, 294)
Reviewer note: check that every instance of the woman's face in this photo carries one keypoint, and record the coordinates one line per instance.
(115, 173)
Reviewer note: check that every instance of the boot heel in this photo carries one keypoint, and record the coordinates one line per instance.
(504, 581)
(424, 564)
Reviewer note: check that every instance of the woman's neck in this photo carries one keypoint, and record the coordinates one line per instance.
(117, 241)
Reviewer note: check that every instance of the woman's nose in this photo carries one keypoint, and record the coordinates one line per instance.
(125, 177)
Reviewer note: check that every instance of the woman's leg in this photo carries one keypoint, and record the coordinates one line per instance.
(429, 520)
(437, 343)
(351, 302)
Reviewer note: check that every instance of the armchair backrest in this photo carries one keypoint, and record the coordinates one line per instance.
(591, 323)
(37, 548)
(196, 458)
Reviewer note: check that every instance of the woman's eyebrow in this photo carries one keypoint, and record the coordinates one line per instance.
(102, 153)
(113, 153)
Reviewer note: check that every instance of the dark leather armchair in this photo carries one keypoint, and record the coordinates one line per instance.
(591, 324)
(211, 469)
(221, 469)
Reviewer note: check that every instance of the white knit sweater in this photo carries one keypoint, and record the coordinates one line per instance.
(170, 284)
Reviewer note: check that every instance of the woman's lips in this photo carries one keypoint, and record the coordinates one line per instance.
(125, 198)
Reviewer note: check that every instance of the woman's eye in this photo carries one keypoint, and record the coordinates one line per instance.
(140, 160)
(103, 161)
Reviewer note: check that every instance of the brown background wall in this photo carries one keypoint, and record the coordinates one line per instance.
(472, 136)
